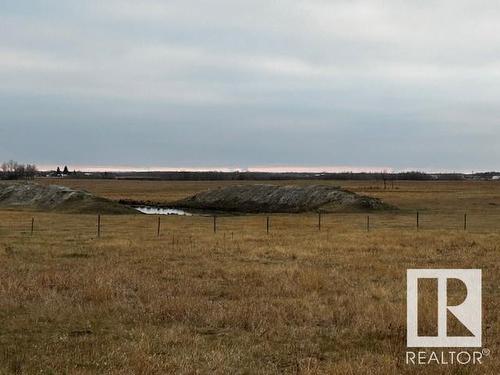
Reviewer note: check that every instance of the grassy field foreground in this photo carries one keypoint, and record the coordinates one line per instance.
(297, 300)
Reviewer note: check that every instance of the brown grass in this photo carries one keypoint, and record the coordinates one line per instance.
(239, 301)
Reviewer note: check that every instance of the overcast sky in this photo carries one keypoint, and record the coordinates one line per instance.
(251, 84)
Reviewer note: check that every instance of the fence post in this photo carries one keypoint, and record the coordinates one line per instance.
(98, 225)
(465, 221)
(418, 220)
(32, 225)
(319, 221)
(159, 224)
(367, 223)
(215, 224)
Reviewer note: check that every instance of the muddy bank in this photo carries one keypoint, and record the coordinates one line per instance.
(273, 198)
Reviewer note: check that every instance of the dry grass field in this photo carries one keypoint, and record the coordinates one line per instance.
(239, 301)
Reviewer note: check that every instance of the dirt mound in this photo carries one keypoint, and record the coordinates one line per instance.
(56, 198)
(272, 198)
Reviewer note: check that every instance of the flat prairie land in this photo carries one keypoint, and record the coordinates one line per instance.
(297, 300)
(436, 196)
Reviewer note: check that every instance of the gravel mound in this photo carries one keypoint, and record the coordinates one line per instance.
(273, 198)
(56, 198)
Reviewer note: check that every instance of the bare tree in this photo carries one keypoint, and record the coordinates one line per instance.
(30, 171)
(19, 171)
(12, 170)
(12, 165)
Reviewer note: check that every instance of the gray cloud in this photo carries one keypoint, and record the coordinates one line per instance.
(197, 83)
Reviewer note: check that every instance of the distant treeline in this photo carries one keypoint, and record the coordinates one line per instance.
(234, 176)
(12, 170)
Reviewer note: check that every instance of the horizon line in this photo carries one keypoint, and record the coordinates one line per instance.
(253, 169)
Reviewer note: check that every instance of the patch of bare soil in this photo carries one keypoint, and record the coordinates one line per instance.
(16, 195)
(274, 198)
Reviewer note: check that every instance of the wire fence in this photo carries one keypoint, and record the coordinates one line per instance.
(15, 224)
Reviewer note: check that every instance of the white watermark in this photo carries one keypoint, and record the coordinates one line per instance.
(451, 357)
(468, 313)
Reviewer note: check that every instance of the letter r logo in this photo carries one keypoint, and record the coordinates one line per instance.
(468, 312)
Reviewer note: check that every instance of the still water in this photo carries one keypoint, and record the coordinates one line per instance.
(151, 210)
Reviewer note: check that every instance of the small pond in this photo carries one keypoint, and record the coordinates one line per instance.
(151, 210)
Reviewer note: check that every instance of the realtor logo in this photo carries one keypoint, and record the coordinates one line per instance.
(468, 312)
